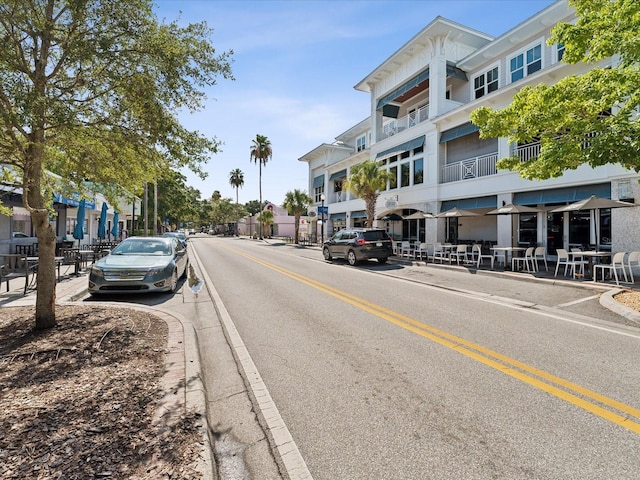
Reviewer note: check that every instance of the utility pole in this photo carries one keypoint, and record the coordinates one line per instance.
(155, 207)
(146, 209)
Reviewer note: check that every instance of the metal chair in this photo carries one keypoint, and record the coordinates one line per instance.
(617, 263)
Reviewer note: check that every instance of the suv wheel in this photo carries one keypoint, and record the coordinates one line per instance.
(326, 253)
(351, 258)
(382, 260)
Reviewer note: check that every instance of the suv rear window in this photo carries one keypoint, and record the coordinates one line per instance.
(375, 235)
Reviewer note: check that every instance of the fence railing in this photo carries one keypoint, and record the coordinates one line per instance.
(482, 166)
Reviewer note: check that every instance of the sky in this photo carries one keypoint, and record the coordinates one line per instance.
(295, 64)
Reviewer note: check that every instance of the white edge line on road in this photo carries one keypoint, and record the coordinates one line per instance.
(291, 458)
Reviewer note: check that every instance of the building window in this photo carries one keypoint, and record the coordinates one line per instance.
(418, 150)
(526, 63)
(528, 229)
(418, 171)
(404, 155)
(361, 143)
(405, 170)
(559, 51)
(393, 159)
(317, 193)
(393, 181)
(485, 83)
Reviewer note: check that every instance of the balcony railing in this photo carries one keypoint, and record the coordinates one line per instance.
(339, 196)
(482, 166)
(399, 124)
(527, 152)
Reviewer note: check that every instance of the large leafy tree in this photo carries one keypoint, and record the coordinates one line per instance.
(236, 180)
(296, 203)
(583, 119)
(260, 153)
(253, 207)
(177, 202)
(365, 181)
(90, 89)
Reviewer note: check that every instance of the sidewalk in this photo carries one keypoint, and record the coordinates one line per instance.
(182, 361)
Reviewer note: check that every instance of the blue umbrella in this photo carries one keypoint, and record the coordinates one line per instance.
(102, 223)
(115, 230)
(78, 232)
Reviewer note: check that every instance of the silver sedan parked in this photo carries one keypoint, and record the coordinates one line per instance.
(140, 264)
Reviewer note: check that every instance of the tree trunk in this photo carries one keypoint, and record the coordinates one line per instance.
(296, 228)
(260, 187)
(46, 277)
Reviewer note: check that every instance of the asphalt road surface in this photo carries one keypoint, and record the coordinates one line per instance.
(396, 372)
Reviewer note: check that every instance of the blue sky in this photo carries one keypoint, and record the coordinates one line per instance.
(295, 65)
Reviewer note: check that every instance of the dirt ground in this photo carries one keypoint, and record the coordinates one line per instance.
(78, 401)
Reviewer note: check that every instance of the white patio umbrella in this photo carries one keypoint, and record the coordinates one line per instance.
(419, 215)
(594, 203)
(512, 209)
(456, 212)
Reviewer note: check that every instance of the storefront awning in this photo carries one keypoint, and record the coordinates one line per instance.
(404, 88)
(562, 195)
(338, 216)
(460, 131)
(318, 181)
(471, 203)
(359, 214)
(340, 174)
(403, 147)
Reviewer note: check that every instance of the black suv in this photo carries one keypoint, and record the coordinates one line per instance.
(357, 244)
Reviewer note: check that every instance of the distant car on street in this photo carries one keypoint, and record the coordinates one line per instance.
(179, 234)
(140, 264)
(358, 244)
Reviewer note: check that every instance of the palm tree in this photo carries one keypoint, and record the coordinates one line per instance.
(236, 179)
(260, 154)
(365, 181)
(296, 203)
(266, 218)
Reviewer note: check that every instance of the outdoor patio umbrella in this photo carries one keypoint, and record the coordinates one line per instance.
(594, 203)
(393, 214)
(78, 231)
(512, 209)
(419, 215)
(115, 230)
(456, 212)
(102, 223)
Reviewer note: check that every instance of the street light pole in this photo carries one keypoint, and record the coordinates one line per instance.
(322, 219)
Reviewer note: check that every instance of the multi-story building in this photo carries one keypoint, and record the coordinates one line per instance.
(421, 98)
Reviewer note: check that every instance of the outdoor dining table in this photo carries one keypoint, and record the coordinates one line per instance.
(509, 252)
(590, 256)
(33, 267)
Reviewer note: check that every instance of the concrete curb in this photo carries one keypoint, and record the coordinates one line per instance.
(607, 300)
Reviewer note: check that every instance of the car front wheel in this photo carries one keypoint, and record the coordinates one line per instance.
(327, 254)
(174, 281)
(382, 260)
(351, 258)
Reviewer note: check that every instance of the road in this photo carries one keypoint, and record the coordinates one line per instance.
(398, 372)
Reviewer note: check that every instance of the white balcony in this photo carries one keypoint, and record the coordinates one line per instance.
(338, 197)
(397, 125)
(470, 168)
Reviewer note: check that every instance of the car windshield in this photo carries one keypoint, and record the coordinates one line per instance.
(142, 247)
(375, 235)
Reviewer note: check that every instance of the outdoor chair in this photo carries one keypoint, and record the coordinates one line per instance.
(564, 259)
(527, 262)
(477, 255)
(420, 251)
(633, 260)
(617, 263)
(459, 253)
(540, 253)
(405, 248)
(438, 252)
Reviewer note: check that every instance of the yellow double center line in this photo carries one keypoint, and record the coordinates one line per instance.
(570, 392)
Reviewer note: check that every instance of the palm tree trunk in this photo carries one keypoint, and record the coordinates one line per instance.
(260, 187)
